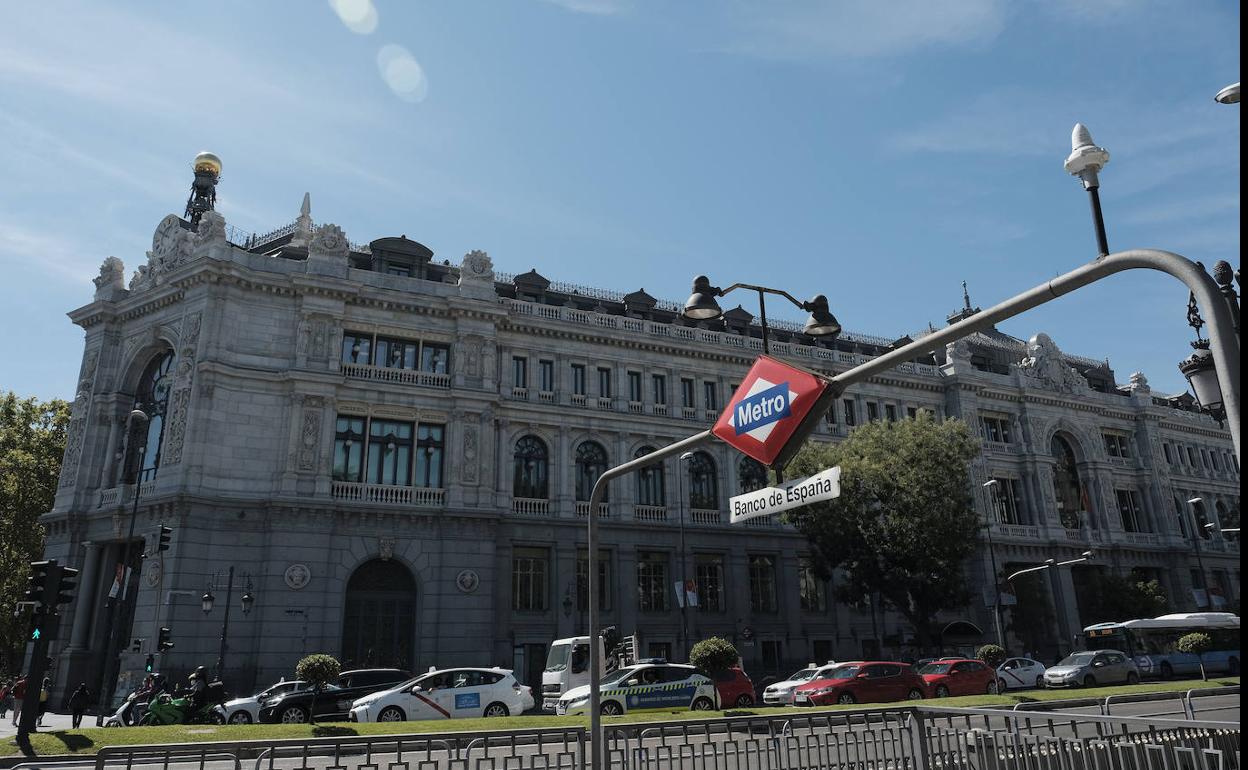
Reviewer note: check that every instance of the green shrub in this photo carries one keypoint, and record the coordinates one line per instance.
(714, 655)
(1196, 644)
(318, 670)
(992, 654)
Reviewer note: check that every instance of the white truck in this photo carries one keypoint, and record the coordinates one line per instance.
(567, 663)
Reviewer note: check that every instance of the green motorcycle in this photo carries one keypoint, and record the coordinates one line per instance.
(168, 710)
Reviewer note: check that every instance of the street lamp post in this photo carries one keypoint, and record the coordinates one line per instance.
(701, 306)
(1085, 161)
(1055, 587)
(684, 559)
(206, 604)
(992, 485)
(1200, 564)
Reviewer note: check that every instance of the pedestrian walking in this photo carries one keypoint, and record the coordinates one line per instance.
(6, 698)
(43, 700)
(78, 702)
(19, 696)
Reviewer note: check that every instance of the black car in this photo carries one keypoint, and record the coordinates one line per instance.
(334, 702)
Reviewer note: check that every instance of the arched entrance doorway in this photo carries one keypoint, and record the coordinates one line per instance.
(379, 621)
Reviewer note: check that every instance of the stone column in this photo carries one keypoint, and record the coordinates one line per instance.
(86, 595)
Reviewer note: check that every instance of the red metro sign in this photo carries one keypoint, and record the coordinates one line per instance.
(772, 411)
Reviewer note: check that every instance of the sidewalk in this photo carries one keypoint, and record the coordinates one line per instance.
(51, 723)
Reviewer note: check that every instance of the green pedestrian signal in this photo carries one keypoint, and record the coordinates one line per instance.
(34, 635)
(150, 664)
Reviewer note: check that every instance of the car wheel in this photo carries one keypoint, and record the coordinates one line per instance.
(702, 704)
(293, 715)
(216, 718)
(497, 710)
(240, 718)
(1089, 681)
(994, 687)
(1133, 678)
(846, 699)
(745, 700)
(942, 692)
(611, 709)
(1167, 671)
(391, 714)
(914, 694)
(1040, 682)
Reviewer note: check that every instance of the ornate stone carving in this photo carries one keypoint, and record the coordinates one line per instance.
(958, 353)
(297, 576)
(175, 432)
(211, 228)
(477, 266)
(1045, 365)
(468, 471)
(385, 548)
(329, 240)
(467, 581)
(1139, 383)
(112, 276)
(73, 451)
(310, 435)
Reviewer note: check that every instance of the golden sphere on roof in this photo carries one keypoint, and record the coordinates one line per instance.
(207, 161)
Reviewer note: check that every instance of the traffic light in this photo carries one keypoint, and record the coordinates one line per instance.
(162, 642)
(67, 581)
(37, 585)
(150, 664)
(165, 533)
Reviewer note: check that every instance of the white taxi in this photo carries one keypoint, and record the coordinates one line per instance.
(1020, 674)
(645, 687)
(452, 693)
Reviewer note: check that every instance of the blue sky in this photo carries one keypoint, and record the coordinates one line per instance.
(878, 152)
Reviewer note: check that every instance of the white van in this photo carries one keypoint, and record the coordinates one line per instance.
(567, 667)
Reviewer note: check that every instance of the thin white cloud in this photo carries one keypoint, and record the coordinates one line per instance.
(594, 7)
(23, 249)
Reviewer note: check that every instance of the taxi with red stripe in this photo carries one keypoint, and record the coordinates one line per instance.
(452, 693)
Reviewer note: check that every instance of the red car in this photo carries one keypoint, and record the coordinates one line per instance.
(735, 689)
(866, 682)
(959, 677)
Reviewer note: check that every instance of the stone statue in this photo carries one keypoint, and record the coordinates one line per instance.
(112, 275)
(1139, 383)
(958, 353)
(329, 240)
(211, 228)
(1045, 364)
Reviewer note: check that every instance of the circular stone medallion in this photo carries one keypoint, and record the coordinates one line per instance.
(297, 576)
(467, 581)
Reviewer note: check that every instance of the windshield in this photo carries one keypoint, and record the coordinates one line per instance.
(844, 672)
(1078, 659)
(618, 676)
(278, 689)
(803, 675)
(936, 668)
(557, 660)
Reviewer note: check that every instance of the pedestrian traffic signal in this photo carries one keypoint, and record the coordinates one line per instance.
(150, 664)
(165, 533)
(162, 642)
(67, 581)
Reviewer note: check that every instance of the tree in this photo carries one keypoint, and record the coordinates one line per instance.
(714, 655)
(992, 654)
(32, 443)
(1115, 598)
(904, 525)
(1196, 644)
(318, 670)
(1032, 618)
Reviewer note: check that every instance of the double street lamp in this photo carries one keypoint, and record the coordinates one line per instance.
(992, 485)
(1196, 536)
(208, 600)
(1085, 556)
(702, 306)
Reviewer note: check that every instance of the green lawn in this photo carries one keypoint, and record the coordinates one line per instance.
(91, 740)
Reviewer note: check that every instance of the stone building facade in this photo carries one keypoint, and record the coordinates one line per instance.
(394, 454)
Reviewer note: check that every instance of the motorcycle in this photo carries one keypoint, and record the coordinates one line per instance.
(125, 714)
(169, 710)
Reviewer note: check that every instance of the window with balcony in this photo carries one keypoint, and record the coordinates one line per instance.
(1132, 512)
(578, 379)
(710, 395)
(519, 372)
(1117, 445)
(604, 383)
(708, 572)
(430, 451)
(650, 485)
(634, 387)
(546, 376)
(389, 453)
(687, 393)
(652, 591)
(604, 581)
(812, 590)
(762, 583)
(366, 349)
(751, 475)
(658, 384)
(530, 468)
(591, 462)
(383, 452)
(530, 570)
(995, 429)
(703, 482)
(851, 411)
(434, 357)
(349, 449)
(357, 348)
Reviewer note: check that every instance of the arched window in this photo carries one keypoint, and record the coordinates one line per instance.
(703, 482)
(751, 475)
(532, 462)
(1072, 499)
(650, 487)
(1201, 516)
(591, 462)
(152, 396)
(379, 617)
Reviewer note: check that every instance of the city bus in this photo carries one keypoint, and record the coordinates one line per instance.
(1150, 642)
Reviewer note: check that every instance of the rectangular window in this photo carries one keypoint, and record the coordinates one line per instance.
(660, 650)
(529, 574)
(604, 581)
(813, 592)
(851, 411)
(1117, 445)
(389, 453)
(710, 394)
(873, 411)
(830, 416)
(519, 372)
(996, 429)
(401, 270)
(763, 583)
(348, 449)
(356, 348)
(1191, 457)
(652, 589)
(912, 412)
(604, 383)
(434, 358)
(890, 413)
(546, 375)
(687, 393)
(634, 386)
(771, 652)
(1007, 501)
(1132, 513)
(1165, 448)
(1213, 458)
(1204, 459)
(659, 386)
(708, 573)
(578, 379)
(430, 449)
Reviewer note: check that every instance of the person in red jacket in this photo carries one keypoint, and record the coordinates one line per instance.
(19, 694)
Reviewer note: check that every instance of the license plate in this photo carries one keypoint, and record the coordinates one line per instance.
(560, 710)
(801, 698)
(550, 703)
